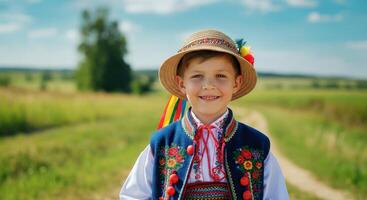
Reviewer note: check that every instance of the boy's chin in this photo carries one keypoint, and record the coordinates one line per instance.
(208, 110)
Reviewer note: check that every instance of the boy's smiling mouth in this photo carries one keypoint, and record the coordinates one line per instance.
(209, 97)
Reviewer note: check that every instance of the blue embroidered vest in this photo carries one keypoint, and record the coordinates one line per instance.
(244, 153)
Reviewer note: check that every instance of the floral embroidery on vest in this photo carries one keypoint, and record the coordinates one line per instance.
(171, 159)
(250, 162)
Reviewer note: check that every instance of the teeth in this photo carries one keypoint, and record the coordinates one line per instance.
(209, 97)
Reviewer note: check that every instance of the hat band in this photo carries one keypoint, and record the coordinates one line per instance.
(211, 41)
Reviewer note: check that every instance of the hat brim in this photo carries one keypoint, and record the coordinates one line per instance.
(168, 72)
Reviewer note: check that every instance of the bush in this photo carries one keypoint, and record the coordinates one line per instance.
(142, 84)
(45, 78)
(361, 84)
(5, 81)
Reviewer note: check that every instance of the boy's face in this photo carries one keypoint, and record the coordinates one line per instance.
(209, 86)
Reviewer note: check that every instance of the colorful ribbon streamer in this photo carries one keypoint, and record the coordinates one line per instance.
(174, 110)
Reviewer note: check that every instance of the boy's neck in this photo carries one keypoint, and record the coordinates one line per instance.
(208, 119)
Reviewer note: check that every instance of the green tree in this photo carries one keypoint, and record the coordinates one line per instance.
(46, 76)
(5, 80)
(103, 48)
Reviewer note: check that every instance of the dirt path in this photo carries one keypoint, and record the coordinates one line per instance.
(295, 175)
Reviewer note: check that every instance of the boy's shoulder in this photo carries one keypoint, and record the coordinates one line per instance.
(166, 131)
(252, 132)
(173, 133)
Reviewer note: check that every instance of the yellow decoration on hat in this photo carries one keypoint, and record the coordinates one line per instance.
(244, 50)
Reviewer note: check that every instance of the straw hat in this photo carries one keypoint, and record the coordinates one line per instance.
(209, 40)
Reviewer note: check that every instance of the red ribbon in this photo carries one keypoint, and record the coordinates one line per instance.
(219, 145)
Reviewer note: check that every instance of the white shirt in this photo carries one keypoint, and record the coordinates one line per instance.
(203, 175)
(138, 183)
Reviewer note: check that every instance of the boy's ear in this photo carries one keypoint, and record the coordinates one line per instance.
(180, 84)
(237, 84)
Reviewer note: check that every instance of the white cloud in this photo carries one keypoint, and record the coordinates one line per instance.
(172, 6)
(315, 17)
(9, 27)
(266, 6)
(72, 35)
(162, 6)
(358, 45)
(128, 27)
(145, 6)
(302, 3)
(15, 17)
(13, 21)
(261, 5)
(42, 33)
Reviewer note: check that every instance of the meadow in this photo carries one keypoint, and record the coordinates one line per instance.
(58, 143)
(322, 131)
(77, 160)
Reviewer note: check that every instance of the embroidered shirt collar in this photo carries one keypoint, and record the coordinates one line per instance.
(218, 123)
(229, 125)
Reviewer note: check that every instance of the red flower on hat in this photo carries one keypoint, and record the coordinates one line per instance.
(249, 57)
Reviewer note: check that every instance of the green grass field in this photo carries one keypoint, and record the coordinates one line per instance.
(322, 131)
(335, 153)
(74, 161)
(73, 145)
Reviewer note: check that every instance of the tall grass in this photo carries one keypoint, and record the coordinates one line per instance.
(79, 161)
(329, 139)
(347, 107)
(25, 111)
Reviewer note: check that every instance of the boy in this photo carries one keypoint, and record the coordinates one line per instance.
(207, 154)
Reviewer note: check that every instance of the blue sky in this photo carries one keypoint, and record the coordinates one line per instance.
(321, 37)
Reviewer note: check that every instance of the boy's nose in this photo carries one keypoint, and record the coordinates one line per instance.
(208, 84)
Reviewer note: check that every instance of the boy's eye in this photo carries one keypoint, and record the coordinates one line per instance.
(221, 76)
(196, 76)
